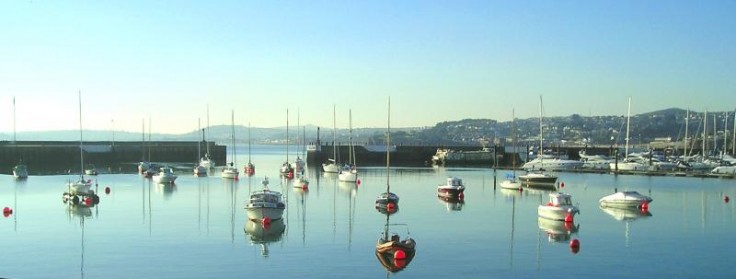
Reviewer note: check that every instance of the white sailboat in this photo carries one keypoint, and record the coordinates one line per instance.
(349, 172)
(231, 171)
(331, 166)
(628, 164)
(537, 166)
(299, 163)
(511, 182)
(206, 161)
(144, 165)
(200, 170)
(250, 168)
(387, 201)
(286, 170)
(20, 170)
(81, 186)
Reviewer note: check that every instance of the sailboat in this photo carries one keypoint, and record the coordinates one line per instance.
(230, 171)
(331, 166)
(200, 170)
(206, 161)
(538, 165)
(628, 164)
(20, 170)
(387, 201)
(286, 170)
(299, 163)
(80, 188)
(511, 182)
(349, 172)
(144, 165)
(250, 168)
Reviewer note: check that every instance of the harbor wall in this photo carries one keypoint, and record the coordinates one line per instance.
(56, 156)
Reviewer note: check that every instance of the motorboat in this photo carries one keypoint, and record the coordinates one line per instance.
(534, 178)
(731, 170)
(452, 188)
(80, 186)
(625, 199)
(393, 252)
(165, 175)
(200, 171)
(558, 208)
(20, 171)
(265, 205)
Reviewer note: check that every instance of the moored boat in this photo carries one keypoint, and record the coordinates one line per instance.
(265, 205)
(452, 188)
(535, 178)
(165, 175)
(558, 208)
(625, 199)
(20, 171)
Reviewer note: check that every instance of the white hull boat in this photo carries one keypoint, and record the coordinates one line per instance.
(265, 204)
(454, 187)
(230, 172)
(20, 171)
(537, 178)
(348, 176)
(724, 170)
(80, 186)
(165, 175)
(331, 167)
(558, 208)
(626, 199)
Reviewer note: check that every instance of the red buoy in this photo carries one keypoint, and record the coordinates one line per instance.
(357, 181)
(461, 196)
(726, 199)
(568, 218)
(107, 190)
(645, 206)
(7, 211)
(390, 206)
(562, 184)
(305, 187)
(574, 246)
(266, 221)
(399, 254)
(399, 263)
(88, 201)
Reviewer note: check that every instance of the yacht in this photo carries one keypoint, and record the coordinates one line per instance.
(265, 205)
(625, 199)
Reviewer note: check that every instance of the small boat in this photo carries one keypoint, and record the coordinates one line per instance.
(265, 205)
(537, 178)
(200, 170)
(301, 182)
(331, 166)
(388, 202)
(558, 208)
(349, 172)
(80, 186)
(90, 170)
(286, 170)
(20, 171)
(510, 183)
(393, 252)
(452, 188)
(230, 171)
(165, 175)
(625, 199)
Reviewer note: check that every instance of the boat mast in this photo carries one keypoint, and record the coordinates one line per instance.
(232, 135)
(14, 138)
(705, 134)
(687, 119)
(513, 135)
(207, 134)
(351, 152)
(287, 135)
(81, 144)
(715, 135)
(725, 136)
(199, 144)
(248, 142)
(149, 139)
(388, 154)
(628, 123)
(541, 138)
(733, 142)
(334, 135)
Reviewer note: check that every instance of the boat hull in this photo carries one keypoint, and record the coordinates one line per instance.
(230, 173)
(511, 185)
(331, 168)
(347, 176)
(257, 213)
(557, 213)
(450, 191)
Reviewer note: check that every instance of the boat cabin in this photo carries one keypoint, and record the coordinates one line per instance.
(454, 181)
(559, 199)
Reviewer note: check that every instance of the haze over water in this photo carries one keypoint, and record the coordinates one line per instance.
(195, 229)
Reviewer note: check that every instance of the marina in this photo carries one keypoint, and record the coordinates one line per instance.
(144, 229)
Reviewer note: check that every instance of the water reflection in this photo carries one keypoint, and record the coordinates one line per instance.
(167, 189)
(452, 203)
(392, 252)
(263, 235)
(626, 215)
(557, 231)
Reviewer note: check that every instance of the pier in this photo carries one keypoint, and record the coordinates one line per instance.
(49, 157)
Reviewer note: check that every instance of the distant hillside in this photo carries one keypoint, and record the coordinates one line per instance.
(602, 130)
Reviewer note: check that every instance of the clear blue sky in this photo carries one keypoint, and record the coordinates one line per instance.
(438, 60)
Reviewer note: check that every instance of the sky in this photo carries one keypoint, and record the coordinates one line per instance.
(168, 61)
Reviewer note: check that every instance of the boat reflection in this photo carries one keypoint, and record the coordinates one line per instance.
(557, 231)
(167, 189)
(626, 214)
(80, 210)
(452, 203)
(392, 252)
(261, 234)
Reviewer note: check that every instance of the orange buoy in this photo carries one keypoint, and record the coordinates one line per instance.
(568, 218)
(399, 254)
(107, 190)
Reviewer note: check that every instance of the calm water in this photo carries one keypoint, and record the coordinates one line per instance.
(196, 228)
